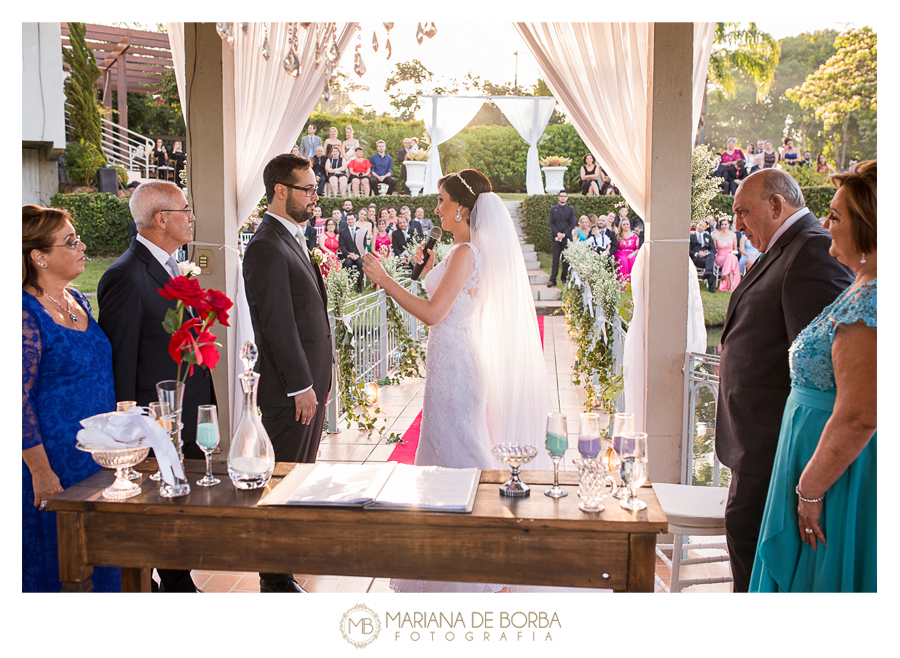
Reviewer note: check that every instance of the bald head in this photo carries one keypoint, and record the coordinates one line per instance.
(763, 202)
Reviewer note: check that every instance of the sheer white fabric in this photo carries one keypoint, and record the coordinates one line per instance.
(529, 116)
(270, 109)
(444, 117)
(696, 329)
(598, 73)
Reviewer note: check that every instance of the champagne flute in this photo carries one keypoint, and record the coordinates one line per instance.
(633, 468)
(207, 439)
(589, 435)
(622, 424)
(128, 471)
(556, 444)
(156, 414)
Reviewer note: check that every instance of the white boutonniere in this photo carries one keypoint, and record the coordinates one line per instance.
(188, 269)
(317, 256)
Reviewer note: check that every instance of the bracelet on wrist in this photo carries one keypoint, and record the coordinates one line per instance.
(808, 500)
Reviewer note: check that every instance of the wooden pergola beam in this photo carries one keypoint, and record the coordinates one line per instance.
(114, 55)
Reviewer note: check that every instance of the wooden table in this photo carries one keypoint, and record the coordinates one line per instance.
(535, 540)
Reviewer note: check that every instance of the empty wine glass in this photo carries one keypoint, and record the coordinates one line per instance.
(129, 471)
(622, 424)
(557, 442)
(589, 435)
(156, 414)
(633, 468)
(207, 439)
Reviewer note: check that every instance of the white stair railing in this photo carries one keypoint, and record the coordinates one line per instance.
(130, 150)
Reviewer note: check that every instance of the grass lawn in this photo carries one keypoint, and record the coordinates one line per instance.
(512, 196)
(93, 270)
(715, 305)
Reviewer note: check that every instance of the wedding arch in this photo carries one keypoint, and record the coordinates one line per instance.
(623, 86)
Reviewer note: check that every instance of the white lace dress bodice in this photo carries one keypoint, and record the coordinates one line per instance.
(454, 430)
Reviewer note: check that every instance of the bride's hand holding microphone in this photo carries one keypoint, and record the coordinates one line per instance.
(420, 258)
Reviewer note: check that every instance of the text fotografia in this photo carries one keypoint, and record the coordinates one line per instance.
(478, 626)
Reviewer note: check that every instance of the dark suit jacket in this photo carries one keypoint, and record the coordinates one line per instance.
(312, 236)
(288, 309)
(131, 315)
(348, 244)
(562, 220)
(398, 241)
(785, 291)
(700, 241)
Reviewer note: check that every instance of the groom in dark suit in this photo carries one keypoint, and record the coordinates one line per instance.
(793, 280)
(132, 312)
(289, 312)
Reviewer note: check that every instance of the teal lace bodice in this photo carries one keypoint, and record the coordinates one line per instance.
(810, 353)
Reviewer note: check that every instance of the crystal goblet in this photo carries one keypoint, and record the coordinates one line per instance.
(120, 459)
(514, 455)
(622, 424)
(633, 468)
(594, 484)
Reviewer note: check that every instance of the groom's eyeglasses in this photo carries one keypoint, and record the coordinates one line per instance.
(308, 191)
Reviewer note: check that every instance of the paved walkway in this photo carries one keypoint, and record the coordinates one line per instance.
(401, 404)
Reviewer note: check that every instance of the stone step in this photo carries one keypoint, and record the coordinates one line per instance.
(538, 277)
(529, 255)
(527, 248)
(532, 264)
(543, 293)
(548, 306)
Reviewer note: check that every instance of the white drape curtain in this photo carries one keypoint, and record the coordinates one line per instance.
(444, 117)
(529, 116)
(270, 109)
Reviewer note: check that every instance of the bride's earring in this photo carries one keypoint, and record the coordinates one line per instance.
(459, 216)
(863, 259)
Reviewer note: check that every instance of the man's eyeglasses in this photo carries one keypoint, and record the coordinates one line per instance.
(187, 209)
(71, 245)
(308, 191)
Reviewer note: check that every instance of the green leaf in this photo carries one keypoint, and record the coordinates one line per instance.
(171, 323)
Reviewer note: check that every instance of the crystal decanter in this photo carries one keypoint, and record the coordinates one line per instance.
(251, 458)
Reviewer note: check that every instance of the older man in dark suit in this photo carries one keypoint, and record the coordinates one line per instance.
(793, 280)
(289, 311)
(349, 239)
(132, 313)
(703, 254)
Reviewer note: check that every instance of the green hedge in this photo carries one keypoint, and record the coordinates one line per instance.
(100, 219)
(536, 210)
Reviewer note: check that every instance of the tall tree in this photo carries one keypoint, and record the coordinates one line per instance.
(844, 88)
(746, 50)
(80, 90)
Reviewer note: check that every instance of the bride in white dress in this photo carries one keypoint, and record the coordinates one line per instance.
(485, 380)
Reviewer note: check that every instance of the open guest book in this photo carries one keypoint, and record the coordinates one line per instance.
(378, 486)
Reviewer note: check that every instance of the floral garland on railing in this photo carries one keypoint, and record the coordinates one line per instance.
(340, 284)
(595, 353)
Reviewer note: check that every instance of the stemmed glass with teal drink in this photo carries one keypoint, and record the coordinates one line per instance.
(633, 468)
(556, 444)
(207, 439)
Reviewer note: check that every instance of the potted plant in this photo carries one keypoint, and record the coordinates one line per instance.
(554, 167)
(415, 164)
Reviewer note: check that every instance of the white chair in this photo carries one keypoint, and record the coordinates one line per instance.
(692, 511)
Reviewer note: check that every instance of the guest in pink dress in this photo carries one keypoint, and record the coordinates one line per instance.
(629, 243)
(726, 257)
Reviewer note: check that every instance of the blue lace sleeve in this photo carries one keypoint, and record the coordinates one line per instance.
(862, 305)
(31, 359)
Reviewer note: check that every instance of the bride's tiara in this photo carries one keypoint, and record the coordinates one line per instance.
(463, 180)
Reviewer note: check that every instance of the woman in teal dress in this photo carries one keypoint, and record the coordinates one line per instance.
(827, 451)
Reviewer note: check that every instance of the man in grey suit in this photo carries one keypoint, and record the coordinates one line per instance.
(309, 142)
(793, 280)
(289, 311)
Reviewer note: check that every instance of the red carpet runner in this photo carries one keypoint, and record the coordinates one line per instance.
(405, 453)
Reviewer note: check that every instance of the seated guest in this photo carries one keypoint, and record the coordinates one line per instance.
(601, 241)
(807, 159)
(819, 528)
(637, 224)
(726, 257)
(734, 176)
(770, 155)
(730, 156)
(352, 244)
(606, 185)
(346, 209)
(368, 227)
(336, 170)
(590, 175)
(629, 244)
(604, 226)
(789, 155)
(583, 231)
(318, 166)
(749, 254)
(823, 167)
(400, 237)
(401, 156)
(424, 222)
(309, 232)
(381, 245)
(317, 216)
(414, 225)
(328, 240)
(359, 168)
(703, 255)
(338, 218)
(386, 216)
(382, 169)
(67, 376)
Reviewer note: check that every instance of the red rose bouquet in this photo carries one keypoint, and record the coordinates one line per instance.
(192, 343)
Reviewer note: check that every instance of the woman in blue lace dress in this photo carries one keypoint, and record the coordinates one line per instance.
(66, 376)
(818, 531)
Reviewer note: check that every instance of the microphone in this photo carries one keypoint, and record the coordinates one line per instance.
(433, 236)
